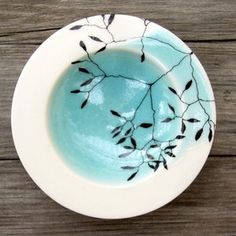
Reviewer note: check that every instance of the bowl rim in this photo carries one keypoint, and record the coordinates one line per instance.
(40, 159)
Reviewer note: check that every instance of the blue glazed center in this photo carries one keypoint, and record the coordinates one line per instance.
(111, 119)
(83, 136)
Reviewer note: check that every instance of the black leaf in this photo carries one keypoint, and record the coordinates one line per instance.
(188, 85)
(101, 49)
(154, 146)
(172, 108)
(180, 137)
(183, 127)
(151, 166)
(165, 164)
(84, 103)
(198, 134)
(167, 120)
(145, 125)
(170, 154)
(132, 176)
(157, 162)
(82, 45)
(83, 70)
(157, 165)
(210, 135)
(170, 147)
(133, 142)
(115, 113)
(193, 120)
(128, 167)
(121, 140)
(111, 18)
(95, 38)
(125, 154)
(116, 134)
(76, 27)
(142, 57)
(128, 147)
(86, 82)
(75, 62)
(115, 129)
(172, 90)
(128, 131)
(150, 156)
(75, 91)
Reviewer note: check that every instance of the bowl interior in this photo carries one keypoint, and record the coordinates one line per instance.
(113, 106)
(113, 117)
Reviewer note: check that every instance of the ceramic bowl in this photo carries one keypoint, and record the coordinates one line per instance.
(113, 116)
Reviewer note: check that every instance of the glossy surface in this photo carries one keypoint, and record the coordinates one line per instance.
(190, 105)
(83, 136)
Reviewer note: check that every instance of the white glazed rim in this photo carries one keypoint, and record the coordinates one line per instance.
(40, 159)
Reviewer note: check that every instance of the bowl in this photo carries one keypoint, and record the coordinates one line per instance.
(113, 116)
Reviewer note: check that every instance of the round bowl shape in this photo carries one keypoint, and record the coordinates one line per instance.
(105, 117)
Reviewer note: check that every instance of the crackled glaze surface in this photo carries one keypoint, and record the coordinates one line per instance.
(132, 106)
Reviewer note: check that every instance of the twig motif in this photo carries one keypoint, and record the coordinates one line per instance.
(125, 132)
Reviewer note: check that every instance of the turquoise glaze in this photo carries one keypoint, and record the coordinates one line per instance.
(118, 78)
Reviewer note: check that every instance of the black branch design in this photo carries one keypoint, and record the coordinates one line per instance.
(124, 133)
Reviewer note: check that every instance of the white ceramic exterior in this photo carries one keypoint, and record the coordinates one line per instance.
(49, 172)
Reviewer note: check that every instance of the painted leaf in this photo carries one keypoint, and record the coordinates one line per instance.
(128, 131)
(157, 166)
(157, 161)
(133, 142)
(115, 129)
(210, 135)
(145, 125)
(172, 90)
(121, 140)
(82, 45)
(180, 137)
(75, 91)
(76, 27)
(188, 85)
(128, 167)
(111, 18)
(115, 113)
(128, 147)
(171, 108)
(84, 70)
(125, 154)
(116, 134)
(170, 147)
(165, 164)
(87, 82)
(170, 154)
(193, 120)
(183, 127)
(101, 49)
(150, 156)
(84, 103)
(132, 176)
(154, 146)
(76, 62)
(151, 166)
(198, 134)
(167, 120)
(95, 38)
(142, 57)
